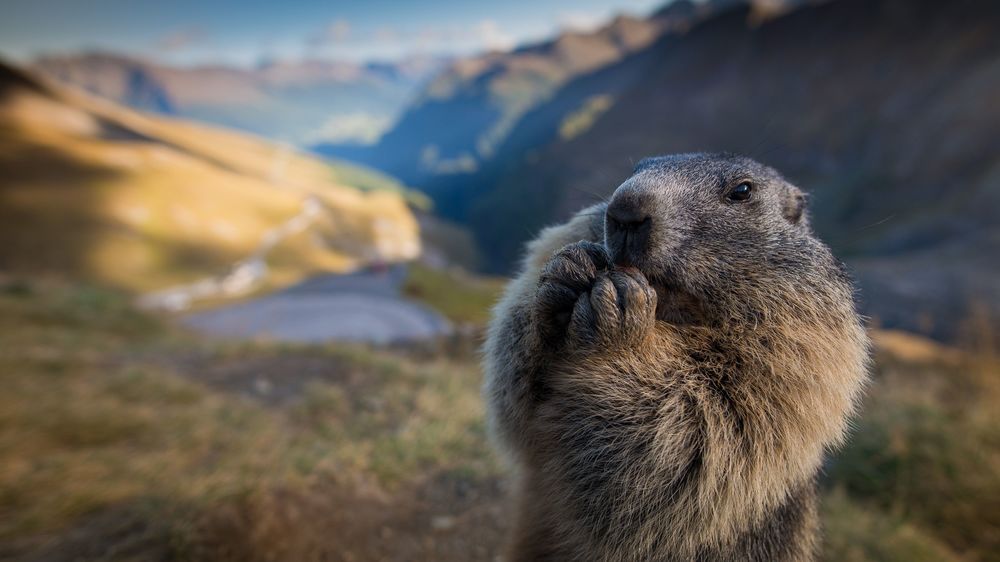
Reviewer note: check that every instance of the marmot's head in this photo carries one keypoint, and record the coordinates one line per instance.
(718, 233)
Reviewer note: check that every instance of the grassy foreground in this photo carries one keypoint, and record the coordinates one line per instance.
(124, 439)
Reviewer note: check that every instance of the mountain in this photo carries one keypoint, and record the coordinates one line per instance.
(92, 190)
(485, 100)
(482, 98)
(301, 102)
(884, 110)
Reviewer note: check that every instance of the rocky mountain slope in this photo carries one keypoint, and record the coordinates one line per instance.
(91, 190)
(302, 102)
(884, 110)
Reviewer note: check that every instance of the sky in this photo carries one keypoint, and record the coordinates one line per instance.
(244, 33)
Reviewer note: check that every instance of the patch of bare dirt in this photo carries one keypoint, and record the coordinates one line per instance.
(276, 380)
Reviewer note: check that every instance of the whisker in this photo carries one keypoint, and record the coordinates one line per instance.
(765, 135)
(598, 196)
(774, 149)
(874, 224)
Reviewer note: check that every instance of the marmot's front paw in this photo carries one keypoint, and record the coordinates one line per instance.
(570, 273)
(620, 309)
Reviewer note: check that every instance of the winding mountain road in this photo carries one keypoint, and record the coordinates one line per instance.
(365, 306)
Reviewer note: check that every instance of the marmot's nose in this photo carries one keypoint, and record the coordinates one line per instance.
(627, 230)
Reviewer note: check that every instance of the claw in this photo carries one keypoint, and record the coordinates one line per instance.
(569, 274)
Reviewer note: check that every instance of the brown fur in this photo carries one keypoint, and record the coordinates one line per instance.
(678, 408)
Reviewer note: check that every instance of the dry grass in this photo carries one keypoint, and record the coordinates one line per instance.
(119, 433)
(123, 439)
(455, 294)
(857, 534)
(926, 452)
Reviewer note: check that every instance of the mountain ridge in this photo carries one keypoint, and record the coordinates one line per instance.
(881, 109)
(95, 191)
(482, 97)
(281, 99)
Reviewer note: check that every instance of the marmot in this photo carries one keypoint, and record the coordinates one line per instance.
(669, 368)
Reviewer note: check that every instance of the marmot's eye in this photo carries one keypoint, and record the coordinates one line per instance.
(741, 192)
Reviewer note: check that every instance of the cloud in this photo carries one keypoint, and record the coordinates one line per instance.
(581, 21)
(385, 34)
(181, 39)
(340, 38)
(335, 33)
(493, 37)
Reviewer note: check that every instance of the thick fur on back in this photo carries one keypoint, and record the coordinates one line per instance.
(678, 409)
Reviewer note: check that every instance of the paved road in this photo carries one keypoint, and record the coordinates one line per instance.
(360, 307)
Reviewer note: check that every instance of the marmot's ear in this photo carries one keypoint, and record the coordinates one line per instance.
(795, 207)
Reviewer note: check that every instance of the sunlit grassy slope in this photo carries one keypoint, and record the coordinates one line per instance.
(121, 438)
(100, 192)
